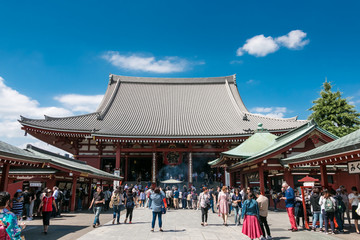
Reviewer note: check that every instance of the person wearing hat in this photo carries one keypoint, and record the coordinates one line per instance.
(18, 204)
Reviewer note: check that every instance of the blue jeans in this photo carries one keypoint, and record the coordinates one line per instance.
(27, 208)
(97, 211)
(154, 219)
(79, 204)
(339, 220)
(316, 216)
(116, 213)
(212, 205)
(237, 214)
(322, 218)
(142, 202)
(184, 203)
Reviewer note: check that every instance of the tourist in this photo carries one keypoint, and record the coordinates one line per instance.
(216, 197)
(107, 196)
(67, 195)
(223, 205)
(97, 202)
(354, 199)
(184, 198)
(142, 198)
(32, 204)
(250, 214)
(339, 210)
(329, 215)
(47, 204)
(236, 204)
(130, 200)
(194, 198)
(289, 198)
(299, 209)
(316, 209)
(169, 195)
(57, 200)
(189, 200)
(263, 203)
(204, 204)
(116, 203)
(345, 199)
(231, 194)
(211, 193)
(157, 203)
(275, 199)
(176, 198)
(80, 197)
(27, 200)
(9, 219)
(18, 204)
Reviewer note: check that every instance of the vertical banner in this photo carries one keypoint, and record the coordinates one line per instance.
(227, 178)
(116, 183)
(190, 172)
(153, 174)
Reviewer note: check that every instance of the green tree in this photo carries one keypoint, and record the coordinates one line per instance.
(333, 113)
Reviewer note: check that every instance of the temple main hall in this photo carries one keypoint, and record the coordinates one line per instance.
(151, 129)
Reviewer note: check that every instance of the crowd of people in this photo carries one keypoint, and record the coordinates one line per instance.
(328, 208)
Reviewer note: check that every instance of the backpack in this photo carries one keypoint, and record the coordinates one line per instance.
(67, 194)
(60, 196)
(340, 206)
(329, 205)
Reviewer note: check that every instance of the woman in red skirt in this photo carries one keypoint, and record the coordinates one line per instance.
(250, 214)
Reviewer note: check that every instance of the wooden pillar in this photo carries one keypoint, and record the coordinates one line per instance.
(73, 194)
(118, 156)
(153, 169)
(190, 169)
(232, 181)
(288, 177)
(242, 180)
(324, 180)
(4, 177)
(89, 192)
(261, 178)
(126, 168)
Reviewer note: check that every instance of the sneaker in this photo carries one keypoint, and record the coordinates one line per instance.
(205, 224)
(94, 225)
(130, 222)
(262, 238)
(269, 237)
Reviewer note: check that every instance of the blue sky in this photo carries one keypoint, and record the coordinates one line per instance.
(55, 56)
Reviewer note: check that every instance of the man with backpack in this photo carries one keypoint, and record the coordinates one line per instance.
(339, 210)
(66, 201)
(27, 200)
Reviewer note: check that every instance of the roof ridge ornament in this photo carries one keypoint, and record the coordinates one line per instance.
(234, 77)
(111, 79)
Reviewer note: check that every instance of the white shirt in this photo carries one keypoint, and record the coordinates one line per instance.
(356, 199)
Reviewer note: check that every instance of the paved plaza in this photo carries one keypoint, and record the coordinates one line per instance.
(185, 224)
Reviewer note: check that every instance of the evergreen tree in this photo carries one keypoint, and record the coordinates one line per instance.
(333, 113)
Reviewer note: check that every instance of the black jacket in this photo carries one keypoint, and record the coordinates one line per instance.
(314, 200)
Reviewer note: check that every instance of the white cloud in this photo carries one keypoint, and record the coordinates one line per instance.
(261, 46)
(293, 40)
(275, 112)
(148, 64)
(80, 103)
(258, 46)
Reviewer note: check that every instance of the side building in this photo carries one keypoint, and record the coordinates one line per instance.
(153, 129)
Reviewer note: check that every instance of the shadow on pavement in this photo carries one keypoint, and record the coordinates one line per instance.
(35, 232)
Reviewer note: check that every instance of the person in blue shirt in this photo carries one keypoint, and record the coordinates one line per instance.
(289, 197)
(176, 198)
(250, 214)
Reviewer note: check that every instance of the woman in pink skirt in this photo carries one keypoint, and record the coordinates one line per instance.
(223, 204)
(250, 214)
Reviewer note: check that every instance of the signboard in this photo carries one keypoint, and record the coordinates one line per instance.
(309, 184)
(35, 184)
(354, 167)
(227, 178)
(116, 183)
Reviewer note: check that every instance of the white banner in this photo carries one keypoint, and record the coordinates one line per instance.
(354, 167)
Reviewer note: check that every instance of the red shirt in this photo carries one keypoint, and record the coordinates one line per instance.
(47, 204)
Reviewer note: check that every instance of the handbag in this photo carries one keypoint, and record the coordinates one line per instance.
(163, 209)
(234, 204)
(358, 209)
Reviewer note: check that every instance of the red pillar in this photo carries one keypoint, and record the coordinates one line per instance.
(190, 169)
(5, 177)
(288, 177)
(261, 178)
(118, 156)
(73, 194)
(126, 168)
(324, 180)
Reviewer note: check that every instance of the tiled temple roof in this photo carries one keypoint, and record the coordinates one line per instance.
(168, 108)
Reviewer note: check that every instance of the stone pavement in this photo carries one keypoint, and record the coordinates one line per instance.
(185, 224)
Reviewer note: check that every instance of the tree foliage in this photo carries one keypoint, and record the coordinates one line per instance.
(333, 113)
